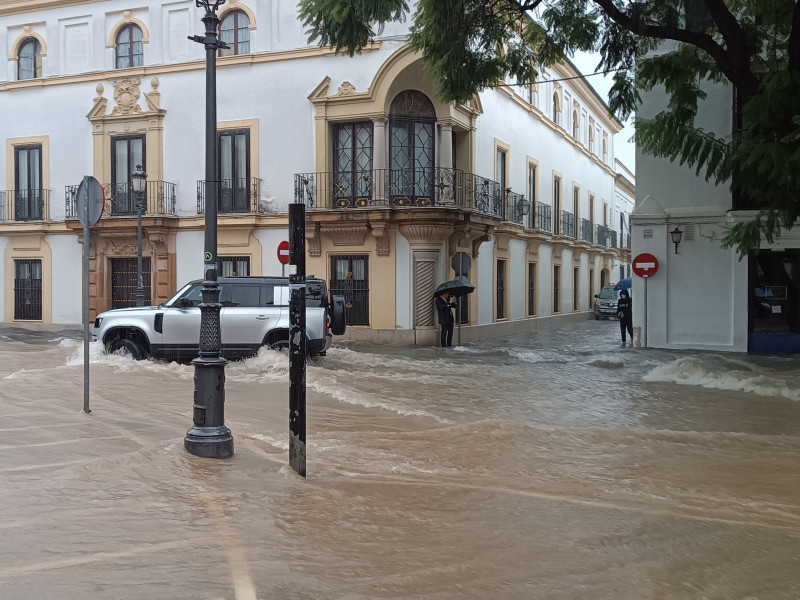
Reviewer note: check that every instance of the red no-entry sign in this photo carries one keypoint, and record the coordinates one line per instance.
(283, 253)
(645, 265)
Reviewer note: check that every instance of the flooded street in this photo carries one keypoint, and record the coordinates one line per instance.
(552, 465)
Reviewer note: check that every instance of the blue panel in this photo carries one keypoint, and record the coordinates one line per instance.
(765, 343)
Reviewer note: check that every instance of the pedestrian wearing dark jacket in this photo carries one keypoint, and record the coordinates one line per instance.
(625, 314)
(444, 310)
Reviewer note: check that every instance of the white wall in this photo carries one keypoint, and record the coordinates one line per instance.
(485, 291)
(67, 278)
(404, 299)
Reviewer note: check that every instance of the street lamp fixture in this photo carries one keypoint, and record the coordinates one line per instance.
(676, 237)
(526, 208)
(139, 185)
(208, 437)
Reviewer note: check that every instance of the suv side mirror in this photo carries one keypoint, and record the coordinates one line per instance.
(185, 303)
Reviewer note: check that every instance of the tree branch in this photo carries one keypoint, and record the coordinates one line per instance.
(668, 32)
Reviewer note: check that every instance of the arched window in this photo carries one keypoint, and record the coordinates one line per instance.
(412, 124)
(234, 29)
(29, 60)
(556, 108)
(575, 125)
(130, 52)
(605, 148)
(591, 136)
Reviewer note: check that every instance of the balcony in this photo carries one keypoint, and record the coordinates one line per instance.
(586, 230)
(399, 188)
(567, 224)
(121, 201)
(235, 196)
(544, 219)
(24, 205)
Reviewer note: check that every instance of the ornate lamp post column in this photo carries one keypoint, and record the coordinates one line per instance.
(209, 438)
(139, 185)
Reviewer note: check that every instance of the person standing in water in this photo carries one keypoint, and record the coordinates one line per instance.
(444, 310)
(625, 314)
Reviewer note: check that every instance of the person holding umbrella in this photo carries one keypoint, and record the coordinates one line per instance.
(625, 314)
(444, 310)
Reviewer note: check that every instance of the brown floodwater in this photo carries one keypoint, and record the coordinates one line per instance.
(553, 465)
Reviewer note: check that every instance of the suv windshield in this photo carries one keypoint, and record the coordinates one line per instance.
(608, 293)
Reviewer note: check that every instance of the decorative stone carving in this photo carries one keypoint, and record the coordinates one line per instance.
(424, 269)
(126, 95)
(426, 233)
(352, 235)
(121, 244)
(313, 242)
(346, 89)
(476, 243)
(381, 239)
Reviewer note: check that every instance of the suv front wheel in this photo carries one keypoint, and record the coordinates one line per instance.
(125, 347)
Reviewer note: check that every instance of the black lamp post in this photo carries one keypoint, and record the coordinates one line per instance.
(676, 237)
(139, 184)
(209, 438)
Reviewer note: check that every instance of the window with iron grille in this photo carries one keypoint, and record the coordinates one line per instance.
(234, 266)
(234, 29)
(501, 289)
(130, 51)
(531, 289)
(28, 290)
(556, 281)
(352, 164)
(532, 195)
(29, 60)
(28, 195)
(412, 131)
(556, 206)
(350, 278)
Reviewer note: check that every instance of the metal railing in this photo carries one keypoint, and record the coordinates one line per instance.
(120, 199)
(24, 205)
(544, 217)
(390, 188)
(567, 224)
(586, 230)
(515, 208)
(240, 195)
(613, 236)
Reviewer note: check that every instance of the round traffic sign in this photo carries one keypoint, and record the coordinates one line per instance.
(645, 265)
(283, 253)
(89, 201)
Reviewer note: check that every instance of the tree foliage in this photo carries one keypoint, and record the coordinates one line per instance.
(753, 45)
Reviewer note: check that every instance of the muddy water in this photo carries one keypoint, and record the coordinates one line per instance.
(556, 465)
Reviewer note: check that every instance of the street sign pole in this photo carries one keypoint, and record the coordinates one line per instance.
(645, 265)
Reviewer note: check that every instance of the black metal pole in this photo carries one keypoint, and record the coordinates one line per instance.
(297, 338)
(140, 282)
(209, 438)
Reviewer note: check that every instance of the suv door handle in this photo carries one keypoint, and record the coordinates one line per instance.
(262, 317)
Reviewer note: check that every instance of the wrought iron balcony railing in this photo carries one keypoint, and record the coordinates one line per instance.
(567, 224)
(544, 217)
(240, 195)
(515, 208)
(602, 235)
(586, 230)
(382, 188)
(120, 199)
(24, 205)
(613, 236)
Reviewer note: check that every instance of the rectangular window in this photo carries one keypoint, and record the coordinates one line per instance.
(576, 273)
(127, 153)
(234, 266)
(531, 289)
(500, 170)
(605, 214)
(352, 164)
(501, 289)
(556, 206)
(532, 195)
(556, 280)
(350, 278)
(28, 290)
(234, 171)
(28, 193)
(591, 210)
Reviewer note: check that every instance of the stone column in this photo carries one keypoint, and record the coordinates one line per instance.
(446, 145)
(380, 177)
(424, 273)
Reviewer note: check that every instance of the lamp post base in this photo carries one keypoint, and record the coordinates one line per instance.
(209, 442)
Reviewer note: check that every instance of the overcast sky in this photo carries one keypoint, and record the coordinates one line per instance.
(623, 149)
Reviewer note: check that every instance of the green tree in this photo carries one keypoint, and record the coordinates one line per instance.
(754, 45)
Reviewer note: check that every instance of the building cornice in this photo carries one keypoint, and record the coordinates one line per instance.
(17, 7)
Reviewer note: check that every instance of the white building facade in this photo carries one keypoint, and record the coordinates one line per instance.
(395, 182)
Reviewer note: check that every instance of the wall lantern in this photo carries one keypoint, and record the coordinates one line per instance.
(676, 237)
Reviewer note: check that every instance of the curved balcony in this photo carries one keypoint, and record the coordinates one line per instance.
(160, 198)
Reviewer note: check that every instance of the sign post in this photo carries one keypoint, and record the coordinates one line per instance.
(645, 265)
(89, 202)
(283, 256)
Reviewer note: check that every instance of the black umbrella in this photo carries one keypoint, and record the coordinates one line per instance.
(457, 287)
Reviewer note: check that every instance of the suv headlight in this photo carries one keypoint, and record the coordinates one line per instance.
(97, 321)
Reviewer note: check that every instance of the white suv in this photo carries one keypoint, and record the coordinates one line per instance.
(254, 313)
